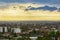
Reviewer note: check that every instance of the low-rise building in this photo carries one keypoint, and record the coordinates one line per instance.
(17, 30)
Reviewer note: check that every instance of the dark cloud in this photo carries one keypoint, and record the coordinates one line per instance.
(59, 9)
(43, 8)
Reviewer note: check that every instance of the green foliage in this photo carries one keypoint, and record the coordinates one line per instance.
(39, 38)
(24, 38)
(15, 35)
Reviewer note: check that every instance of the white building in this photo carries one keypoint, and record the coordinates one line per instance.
(33, 38)
(5, 29)
(17, 30)
(1, 29)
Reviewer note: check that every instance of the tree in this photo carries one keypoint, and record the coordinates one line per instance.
(39, 38)
(46, 38)
(15, 35)
(3, 30)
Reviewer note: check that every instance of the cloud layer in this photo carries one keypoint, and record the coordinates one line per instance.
(16, 11)
(29, 10)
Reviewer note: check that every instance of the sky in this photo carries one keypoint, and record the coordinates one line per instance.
(30, 10)
(57, 2)
(44, 2)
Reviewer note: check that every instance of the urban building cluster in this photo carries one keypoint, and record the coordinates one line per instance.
(29, 30)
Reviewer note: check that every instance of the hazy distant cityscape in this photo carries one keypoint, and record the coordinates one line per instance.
(30, 30)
